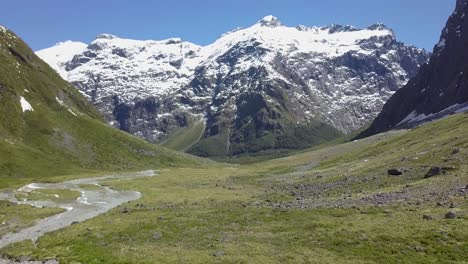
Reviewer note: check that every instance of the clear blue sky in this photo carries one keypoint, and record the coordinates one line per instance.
(42, 23)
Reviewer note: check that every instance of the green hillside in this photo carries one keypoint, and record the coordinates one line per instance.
(56, 131)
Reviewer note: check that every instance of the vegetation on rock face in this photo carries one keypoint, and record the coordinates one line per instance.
(184, 138)
(261, 127)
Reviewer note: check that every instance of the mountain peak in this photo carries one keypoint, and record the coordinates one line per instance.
(335, 28)
(270, 21)
(378, 26)
(106, 36)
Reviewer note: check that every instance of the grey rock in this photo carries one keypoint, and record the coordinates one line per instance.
(395, 172)
(455, 151)
(427, 217)
(451, 215)
(433, 171)
(157, 236)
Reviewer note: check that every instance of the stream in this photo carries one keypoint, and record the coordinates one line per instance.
(90, 204)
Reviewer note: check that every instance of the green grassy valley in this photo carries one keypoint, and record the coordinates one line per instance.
(335, 204)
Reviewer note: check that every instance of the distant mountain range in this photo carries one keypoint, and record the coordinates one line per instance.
(440, 88)
(265, 87)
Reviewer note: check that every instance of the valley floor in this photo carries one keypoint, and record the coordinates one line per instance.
(332, 205)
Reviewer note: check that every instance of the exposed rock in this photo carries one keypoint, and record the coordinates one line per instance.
(451, 215)
(427, 217)
(439, 89)
(455, 151)
(157, 236)
(433, 171)
(395, 172)
(218, 254)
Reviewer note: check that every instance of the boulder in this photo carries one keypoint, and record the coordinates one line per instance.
(427, 217)
(451, 215)
(157, 235)
(395, 172)
(433, 171)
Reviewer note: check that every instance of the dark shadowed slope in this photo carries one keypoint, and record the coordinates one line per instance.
(440, 88)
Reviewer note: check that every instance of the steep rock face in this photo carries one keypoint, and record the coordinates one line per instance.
(253, 87)
(440, 88)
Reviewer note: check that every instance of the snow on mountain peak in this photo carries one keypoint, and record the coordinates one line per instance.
(106, 36)
(164, 65)
(378, 26)
(335, 28)
(270, 21)
(62, 52)
(329, 72)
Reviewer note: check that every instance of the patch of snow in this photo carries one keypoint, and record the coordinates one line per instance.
(66, 106)
(25, 105)
(414, 118)
(62, 52)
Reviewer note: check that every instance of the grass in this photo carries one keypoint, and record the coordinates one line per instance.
(16, 217)
(226, 213)
(185, 138)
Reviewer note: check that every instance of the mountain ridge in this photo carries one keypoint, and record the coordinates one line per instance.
(439, 89)
(335, 76)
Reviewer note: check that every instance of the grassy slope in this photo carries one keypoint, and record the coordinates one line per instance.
(251, 214)
(185, 138)
(247, 141)
(51, 140)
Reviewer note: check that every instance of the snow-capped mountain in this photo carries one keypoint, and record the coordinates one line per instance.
(254, 88)
(440, 88)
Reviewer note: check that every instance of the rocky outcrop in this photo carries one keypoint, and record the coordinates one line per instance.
(440, 88)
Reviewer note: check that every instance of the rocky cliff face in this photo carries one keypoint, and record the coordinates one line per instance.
(440, 88)
(266, 86)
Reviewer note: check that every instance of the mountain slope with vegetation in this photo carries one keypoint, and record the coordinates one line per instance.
(48, 128)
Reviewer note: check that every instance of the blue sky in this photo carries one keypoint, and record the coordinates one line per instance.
(44, 23)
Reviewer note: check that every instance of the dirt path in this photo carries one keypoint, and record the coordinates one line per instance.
(90, 204)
